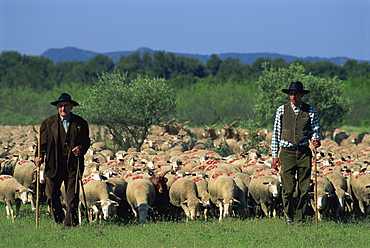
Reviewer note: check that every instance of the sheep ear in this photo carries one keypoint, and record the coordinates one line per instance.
(236, 201)
(185, 202)
(30, 190)
(97, 203)
(114, 203)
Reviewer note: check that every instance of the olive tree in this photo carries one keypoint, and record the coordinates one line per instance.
(128, 109)
(326, 94)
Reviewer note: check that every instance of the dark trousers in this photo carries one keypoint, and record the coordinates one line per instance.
(53, 193)
(295, 175)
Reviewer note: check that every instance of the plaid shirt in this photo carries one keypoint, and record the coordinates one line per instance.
(277, 142)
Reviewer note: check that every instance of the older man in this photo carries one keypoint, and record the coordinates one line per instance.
(64, 141)
(296, 123)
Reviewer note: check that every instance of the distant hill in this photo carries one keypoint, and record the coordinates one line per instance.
(76, 54)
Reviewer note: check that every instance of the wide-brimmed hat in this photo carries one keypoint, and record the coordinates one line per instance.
(64, 97)
(298, 86)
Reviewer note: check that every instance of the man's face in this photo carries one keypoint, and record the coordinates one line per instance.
(64, 108)
(295, 97)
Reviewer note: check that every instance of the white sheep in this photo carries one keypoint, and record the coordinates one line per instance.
(242, 209)
(223, 192)
(25, 172)
(140, 195)
(97, 200)
(325, 192)
(118, 187)
(339, 183)
(265, 189)
(184, 194)
(360, 185)
(12, 192)
(203, 193)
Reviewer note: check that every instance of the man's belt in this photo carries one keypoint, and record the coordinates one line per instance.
(294, 148)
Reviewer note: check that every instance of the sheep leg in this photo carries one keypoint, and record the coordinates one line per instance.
(362, 206)
(95, 213)
(265, 209)
(9, 211)
(17, 207)
(221, 208)
(31, 198)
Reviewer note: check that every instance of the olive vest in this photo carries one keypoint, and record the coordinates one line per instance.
(295, 128)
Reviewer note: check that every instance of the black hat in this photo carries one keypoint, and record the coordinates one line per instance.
(298, 86)
(64, 97)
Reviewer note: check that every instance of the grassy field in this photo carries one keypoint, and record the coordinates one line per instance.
(212, 233)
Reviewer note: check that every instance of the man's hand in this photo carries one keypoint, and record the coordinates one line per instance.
(275, 163)
(76, 151)
(316, 143)
(38, 161)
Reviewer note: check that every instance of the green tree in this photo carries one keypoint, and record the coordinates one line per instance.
(231, 69)
(205, 101)
(358, 90)
(128, 110)
(147, 60)
(213, 64)
(326, 94)
(28, 71)
(163, 64)
(130, 64)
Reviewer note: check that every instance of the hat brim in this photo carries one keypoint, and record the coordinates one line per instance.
(74, 103)
(288, 90)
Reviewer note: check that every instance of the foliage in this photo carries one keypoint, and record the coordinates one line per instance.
(326, 94)
(357, 89)
(206, 101)
(128, 110)
(218, 87)
(22, 105)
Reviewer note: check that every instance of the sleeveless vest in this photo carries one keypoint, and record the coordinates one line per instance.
(295, 128)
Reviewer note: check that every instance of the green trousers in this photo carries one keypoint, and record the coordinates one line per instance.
(295, 175)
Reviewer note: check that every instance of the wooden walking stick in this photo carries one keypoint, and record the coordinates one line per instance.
(38, 177)
(79, 179)
(315, 183)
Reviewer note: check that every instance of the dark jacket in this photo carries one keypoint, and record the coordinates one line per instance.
(56, 145)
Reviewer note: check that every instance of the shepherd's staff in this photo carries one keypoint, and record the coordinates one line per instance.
(79, 179)
(315, 183)
(38, 176)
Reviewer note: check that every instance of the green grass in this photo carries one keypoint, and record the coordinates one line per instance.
(230, 232)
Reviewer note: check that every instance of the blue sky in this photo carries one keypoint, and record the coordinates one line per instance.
(323, 28)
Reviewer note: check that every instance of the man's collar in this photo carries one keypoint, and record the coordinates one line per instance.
(68, 118)
(293, 106)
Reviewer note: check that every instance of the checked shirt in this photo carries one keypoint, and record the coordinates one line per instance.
(277, 142)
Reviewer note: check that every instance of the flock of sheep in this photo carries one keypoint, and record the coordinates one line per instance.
(176, 176)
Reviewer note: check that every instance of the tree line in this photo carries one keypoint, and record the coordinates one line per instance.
(206, 91)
